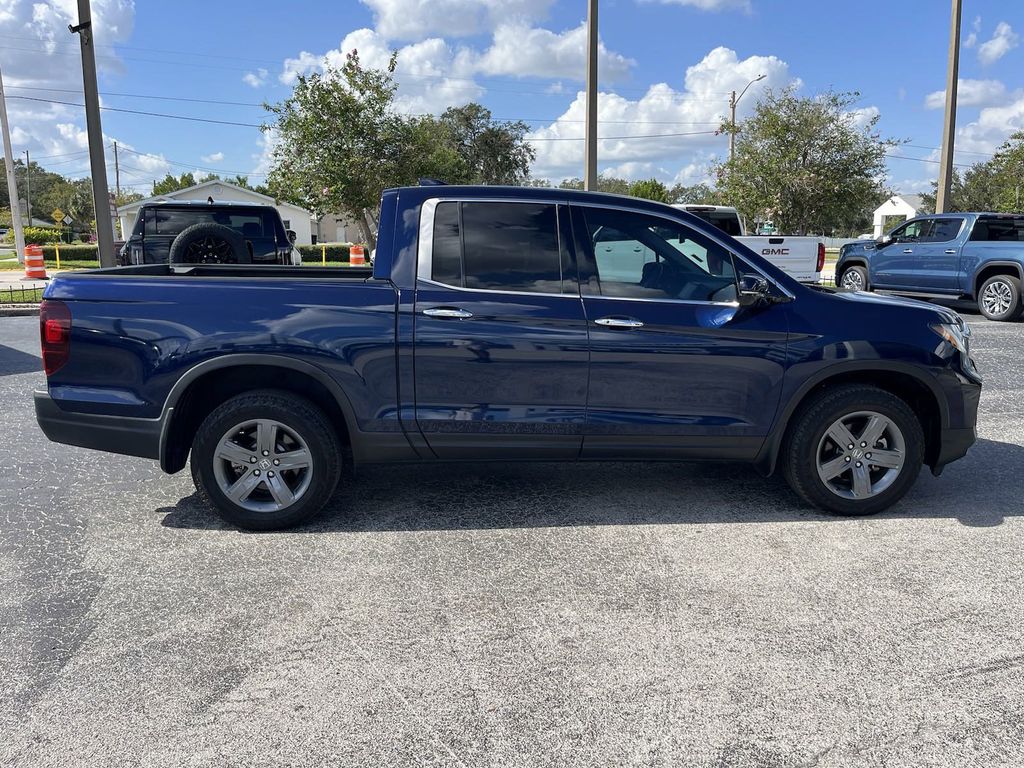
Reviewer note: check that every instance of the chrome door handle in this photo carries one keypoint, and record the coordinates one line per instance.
(447, 312)
(619, 322)
(908, 250)
(951, 251)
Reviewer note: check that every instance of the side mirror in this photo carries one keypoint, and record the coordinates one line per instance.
(753, 290)
(291, 236)
(884, 240)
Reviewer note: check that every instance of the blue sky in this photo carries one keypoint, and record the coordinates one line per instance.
(667, 68)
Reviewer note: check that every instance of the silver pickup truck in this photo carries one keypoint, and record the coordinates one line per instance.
(802, 258)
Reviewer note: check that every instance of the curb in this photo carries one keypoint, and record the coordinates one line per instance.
(19, 310)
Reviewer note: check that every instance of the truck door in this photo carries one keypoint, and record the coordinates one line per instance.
(937, 257)
(895, 264)
(677, 368)
(500, 351)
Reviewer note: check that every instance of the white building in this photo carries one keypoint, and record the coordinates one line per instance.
(295, 218)
(907, 206)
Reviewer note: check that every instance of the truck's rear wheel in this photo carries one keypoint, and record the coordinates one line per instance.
(1000, 298)
(266, 459)
(853, 450)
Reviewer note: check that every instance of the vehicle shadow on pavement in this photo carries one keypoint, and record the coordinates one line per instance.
(14, 361)
(430, 497)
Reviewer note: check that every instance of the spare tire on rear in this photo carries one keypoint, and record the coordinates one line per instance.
(209, 243)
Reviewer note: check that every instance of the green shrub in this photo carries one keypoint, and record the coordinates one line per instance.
(315, 253)
(71, 253)
(36, 236)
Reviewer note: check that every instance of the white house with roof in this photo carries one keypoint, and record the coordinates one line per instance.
(907, 206)
(295, 218)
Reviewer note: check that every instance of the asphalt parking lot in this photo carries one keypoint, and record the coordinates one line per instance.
(537, 615)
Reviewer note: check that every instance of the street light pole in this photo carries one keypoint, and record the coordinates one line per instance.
(733, 101)
(945, 182)
(97, 163)
(590, 129)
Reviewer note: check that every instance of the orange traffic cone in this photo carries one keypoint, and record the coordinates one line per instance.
(35, 267)
(357, 256)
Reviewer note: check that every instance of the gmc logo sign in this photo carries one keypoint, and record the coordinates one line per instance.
(775, 251)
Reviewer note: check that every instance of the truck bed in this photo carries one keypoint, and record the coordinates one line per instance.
(231, 270)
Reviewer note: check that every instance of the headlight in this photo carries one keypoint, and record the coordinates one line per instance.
(958, 336)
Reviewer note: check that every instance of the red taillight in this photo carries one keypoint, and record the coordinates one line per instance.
(821, 257)
(55, 334)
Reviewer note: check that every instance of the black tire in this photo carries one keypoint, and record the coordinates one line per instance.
(297, 415)
(861, 271)
(209, 243)
(806, 437)
(1006, 287)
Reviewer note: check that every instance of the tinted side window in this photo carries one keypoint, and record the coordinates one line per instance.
(511, 246)
(646, 257)
(446, 264)
(913, 232)
(943, 231)
(999, 230)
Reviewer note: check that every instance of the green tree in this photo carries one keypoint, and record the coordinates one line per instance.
(698, 194)
(340, 144)
(650, 189)
(990, 185)
(808, 164)
(488, 151)
(611, 184)
(171, 183)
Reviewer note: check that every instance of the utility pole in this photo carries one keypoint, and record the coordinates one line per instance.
(28, 187)
(117, 174)
(12, 183)
(949, 124)
(590, 130)
(97, 163)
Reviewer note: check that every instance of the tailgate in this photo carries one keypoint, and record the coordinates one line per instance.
(797, 256)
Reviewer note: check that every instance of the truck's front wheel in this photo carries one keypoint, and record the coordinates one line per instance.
(266, 459)
(854, 279)
(853, 450)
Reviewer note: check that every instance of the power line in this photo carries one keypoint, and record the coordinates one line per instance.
(141, 112)
(617, 138)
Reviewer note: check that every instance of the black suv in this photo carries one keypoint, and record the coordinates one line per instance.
(194, 232)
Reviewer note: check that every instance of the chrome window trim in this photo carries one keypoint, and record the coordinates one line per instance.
(425, 249)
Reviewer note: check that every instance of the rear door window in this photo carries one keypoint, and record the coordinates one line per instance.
(1001, 229)
(497, 246)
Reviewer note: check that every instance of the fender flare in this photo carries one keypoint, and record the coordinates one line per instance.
(768, 456)
(1000, 263)
(241, 359)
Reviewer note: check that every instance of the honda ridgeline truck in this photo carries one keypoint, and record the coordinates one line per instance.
(505, 324)
(972, 256)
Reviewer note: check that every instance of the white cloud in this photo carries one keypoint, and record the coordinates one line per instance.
(257, 78)
(214, 157)
(522, 51)
(970, 93)
(1003, 41)
(711, 5)
(53, 129)
(416, 19)
(432, 75)
(682, 122)
(993, 126)
(972, 39)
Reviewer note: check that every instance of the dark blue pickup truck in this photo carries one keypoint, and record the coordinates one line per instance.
(974, 256)
(505, 324)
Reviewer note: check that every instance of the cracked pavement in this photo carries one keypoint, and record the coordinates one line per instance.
(506, 615)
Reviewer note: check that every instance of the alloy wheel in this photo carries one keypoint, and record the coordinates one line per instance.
(861, 455)
(997, 297)
(263, 465)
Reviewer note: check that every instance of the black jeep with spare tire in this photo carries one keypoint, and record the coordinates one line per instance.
(197, 232)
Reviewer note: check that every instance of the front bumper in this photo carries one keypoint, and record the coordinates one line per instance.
(961, 432)
(115, 434)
